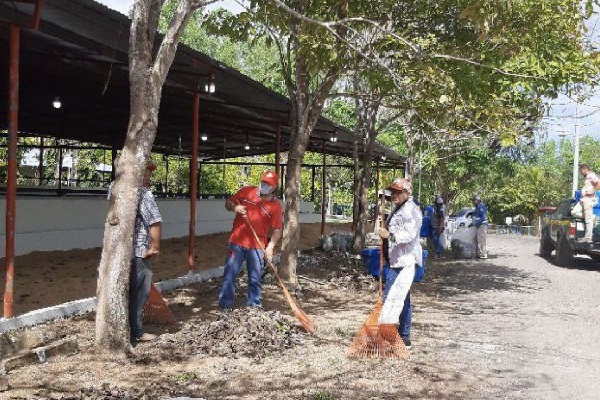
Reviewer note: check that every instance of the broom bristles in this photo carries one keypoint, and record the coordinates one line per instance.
(377, 341)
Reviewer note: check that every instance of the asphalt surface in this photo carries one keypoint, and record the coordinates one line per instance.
(522, 326)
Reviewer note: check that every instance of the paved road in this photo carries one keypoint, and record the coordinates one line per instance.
(515, 326)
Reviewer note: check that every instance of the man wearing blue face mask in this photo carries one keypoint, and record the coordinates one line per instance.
(260, 206)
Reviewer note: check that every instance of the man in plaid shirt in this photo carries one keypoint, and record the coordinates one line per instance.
(146, 245)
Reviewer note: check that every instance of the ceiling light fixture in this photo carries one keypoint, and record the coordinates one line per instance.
(333, 138)
(210, 85)
(204, 137)
(57, 103)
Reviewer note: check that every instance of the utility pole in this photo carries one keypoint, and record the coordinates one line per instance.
(576, 150)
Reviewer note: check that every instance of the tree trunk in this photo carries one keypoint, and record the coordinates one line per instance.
(306, 110)
(365, 184)
(146, 79)
(366, 119)
(291, 231)
(355, 197)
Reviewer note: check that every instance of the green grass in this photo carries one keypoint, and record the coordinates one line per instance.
(322, 395)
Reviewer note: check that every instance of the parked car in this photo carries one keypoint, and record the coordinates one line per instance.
(562, 232)
(461, 219)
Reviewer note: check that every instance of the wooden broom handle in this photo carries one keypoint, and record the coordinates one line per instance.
(381, 248)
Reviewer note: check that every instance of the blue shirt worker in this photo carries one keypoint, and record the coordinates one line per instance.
(438, 218)
(481, 223)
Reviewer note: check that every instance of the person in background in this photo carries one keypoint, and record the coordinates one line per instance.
(481, 223)
(146, 247)
(438, 219)
(259, 206)
(588, 199)
(404, 252)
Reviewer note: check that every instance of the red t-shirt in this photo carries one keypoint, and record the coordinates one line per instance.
(263, 215)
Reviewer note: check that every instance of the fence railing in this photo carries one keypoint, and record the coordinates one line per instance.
(516, 230)
(513, 230)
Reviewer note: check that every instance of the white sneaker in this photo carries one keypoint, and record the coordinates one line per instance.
(146, 337)
(483, 256)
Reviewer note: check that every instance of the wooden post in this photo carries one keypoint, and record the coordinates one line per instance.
(377, 194)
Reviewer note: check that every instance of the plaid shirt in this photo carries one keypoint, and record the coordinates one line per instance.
(147, 214)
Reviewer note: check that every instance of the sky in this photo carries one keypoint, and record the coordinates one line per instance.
(564, 109)
(561, 117)
(124, 5)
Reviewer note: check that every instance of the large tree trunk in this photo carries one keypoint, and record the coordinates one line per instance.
(146, 78)
(366, 122)
(356, 170)
(291, 231)
(306, 110)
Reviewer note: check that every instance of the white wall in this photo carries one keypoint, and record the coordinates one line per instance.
(64, 223)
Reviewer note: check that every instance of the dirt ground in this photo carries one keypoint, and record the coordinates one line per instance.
(49, 278)
(514, 326)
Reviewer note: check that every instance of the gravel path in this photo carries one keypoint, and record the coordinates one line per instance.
(514, 326)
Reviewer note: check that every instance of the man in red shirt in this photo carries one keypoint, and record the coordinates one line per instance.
(260, 206)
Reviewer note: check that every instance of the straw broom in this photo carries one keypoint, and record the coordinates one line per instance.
(374, 340)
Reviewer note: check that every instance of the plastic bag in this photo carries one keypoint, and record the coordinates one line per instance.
(443, 240)
(464, 243)
(577, 210)
(326, 243)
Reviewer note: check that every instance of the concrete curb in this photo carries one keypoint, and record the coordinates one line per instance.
(84, 306)
(40, 355)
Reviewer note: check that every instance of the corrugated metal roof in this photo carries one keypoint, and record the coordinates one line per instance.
(79, 53)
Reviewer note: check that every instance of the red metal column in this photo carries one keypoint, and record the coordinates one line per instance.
(278, 148)
(323, 193)
(41, 164)
(194, 179)
(278, 157)
(11, 184)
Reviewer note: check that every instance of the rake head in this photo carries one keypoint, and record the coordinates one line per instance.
(377, 341)
(157, 311)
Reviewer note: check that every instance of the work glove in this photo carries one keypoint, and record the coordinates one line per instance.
(269, 252)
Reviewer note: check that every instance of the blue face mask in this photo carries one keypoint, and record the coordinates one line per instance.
(265, 188)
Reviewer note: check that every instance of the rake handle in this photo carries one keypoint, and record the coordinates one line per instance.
(381, 248)
(269, 262)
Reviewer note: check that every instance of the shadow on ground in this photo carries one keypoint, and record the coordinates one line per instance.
(448, 278)
(579, 262)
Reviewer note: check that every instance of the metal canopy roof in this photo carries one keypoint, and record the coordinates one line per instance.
(79, 53)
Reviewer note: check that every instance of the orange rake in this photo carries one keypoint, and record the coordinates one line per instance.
(157, 311)
(375, 340)
(298, 312)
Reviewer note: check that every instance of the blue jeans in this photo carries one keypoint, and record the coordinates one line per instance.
(406, 314)
(437, 243)
(140, 280)
(233, 265)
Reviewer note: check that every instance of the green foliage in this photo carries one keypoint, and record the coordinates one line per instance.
(322, 395)
(185, 377)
